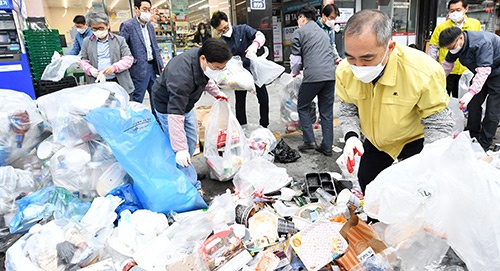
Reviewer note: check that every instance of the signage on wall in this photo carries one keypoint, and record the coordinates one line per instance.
(6, 5)
(258, 4)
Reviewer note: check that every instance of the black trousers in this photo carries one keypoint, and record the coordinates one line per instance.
(452, 81)
(241, 105)
(486, 129)
(374, 161)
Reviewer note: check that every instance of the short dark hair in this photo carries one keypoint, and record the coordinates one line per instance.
(137, 3)
(449, 35)
(307, 11)
(215, 50)
(79, 19)
(217, 17)
(464, 3)
(328, 9)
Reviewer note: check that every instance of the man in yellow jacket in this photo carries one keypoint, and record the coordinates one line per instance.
(394, 95)
(457, 18)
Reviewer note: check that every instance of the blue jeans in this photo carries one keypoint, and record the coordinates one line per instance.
(191, 129)
(143, 84)
(326, 94)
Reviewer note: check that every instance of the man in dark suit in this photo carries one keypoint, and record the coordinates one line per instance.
(141, 39)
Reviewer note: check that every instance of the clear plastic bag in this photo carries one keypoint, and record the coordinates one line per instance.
(57, 68)
(21, 126)
(226, 147)
(64, 110)
(264, 71)
(13, 182)
(235, 77)
(464, 83)
(458, 116)
(262, 141)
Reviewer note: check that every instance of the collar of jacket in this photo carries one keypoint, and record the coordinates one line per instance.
(110, 35)
(391, 68)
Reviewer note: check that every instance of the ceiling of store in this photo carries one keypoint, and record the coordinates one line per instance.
(118, 4)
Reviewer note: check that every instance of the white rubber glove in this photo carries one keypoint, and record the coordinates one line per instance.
(252, 50)
(101, 78)
(464, 101)
(183, 158)
(94, 72)
(352, 147)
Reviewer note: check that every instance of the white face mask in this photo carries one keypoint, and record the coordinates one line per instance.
(100, 34)
(212, 74)
(330, 23)
(368, 73)
(145, 16)
(202, 31)
(456, 50)
(229, 32)
(81, 30)
(456, 16)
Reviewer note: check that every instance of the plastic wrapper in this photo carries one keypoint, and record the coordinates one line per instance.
(138, 143)
(43, 204)
(64, 110)
(14, 182)
(57, 68)
(21, 126)
(464, 83)
(235, 77)
(263, 70)
(436, 194)
(226, 147)
(262, 141)
(260, 176)
(130, 200)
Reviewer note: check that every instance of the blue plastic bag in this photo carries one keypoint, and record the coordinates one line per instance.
(42, 204)
(144, 151)
(130, 200)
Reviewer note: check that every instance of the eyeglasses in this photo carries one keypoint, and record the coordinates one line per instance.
(211, 66)
(102, 28)
(224, 29)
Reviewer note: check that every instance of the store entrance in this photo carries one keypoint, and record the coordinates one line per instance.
(404, 19)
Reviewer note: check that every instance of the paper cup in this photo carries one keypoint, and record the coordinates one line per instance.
(243, 213)
(346, 197)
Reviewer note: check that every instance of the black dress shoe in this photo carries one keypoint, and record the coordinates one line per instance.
(324, 152)
(307, 146)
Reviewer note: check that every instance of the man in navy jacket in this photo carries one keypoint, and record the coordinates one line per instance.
(141, 39)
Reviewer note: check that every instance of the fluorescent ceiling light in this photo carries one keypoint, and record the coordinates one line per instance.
(204, 6)
(90, 4)
(113, 4)
(197, 3)
(158, 4)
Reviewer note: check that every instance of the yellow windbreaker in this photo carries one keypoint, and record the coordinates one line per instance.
(412, 87)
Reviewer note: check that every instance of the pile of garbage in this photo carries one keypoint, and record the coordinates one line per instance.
(89, 182)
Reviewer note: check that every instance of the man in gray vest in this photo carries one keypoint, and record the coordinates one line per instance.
(312, 51)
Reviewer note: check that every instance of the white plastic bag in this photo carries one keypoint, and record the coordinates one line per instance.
(261, 176)
(226, 147)
(235, 77)
(449, 190)
(57, 68)
(64, 110)
(458, 116)
(464, 83)
(264, 71)
(21, 126)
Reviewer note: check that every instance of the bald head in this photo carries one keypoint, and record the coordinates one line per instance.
(370, 21)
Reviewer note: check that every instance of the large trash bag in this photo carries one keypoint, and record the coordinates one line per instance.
(64, 110)
(144, 151)
(446, 191)
(43, 204)
(226, 146)
(21, 126)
